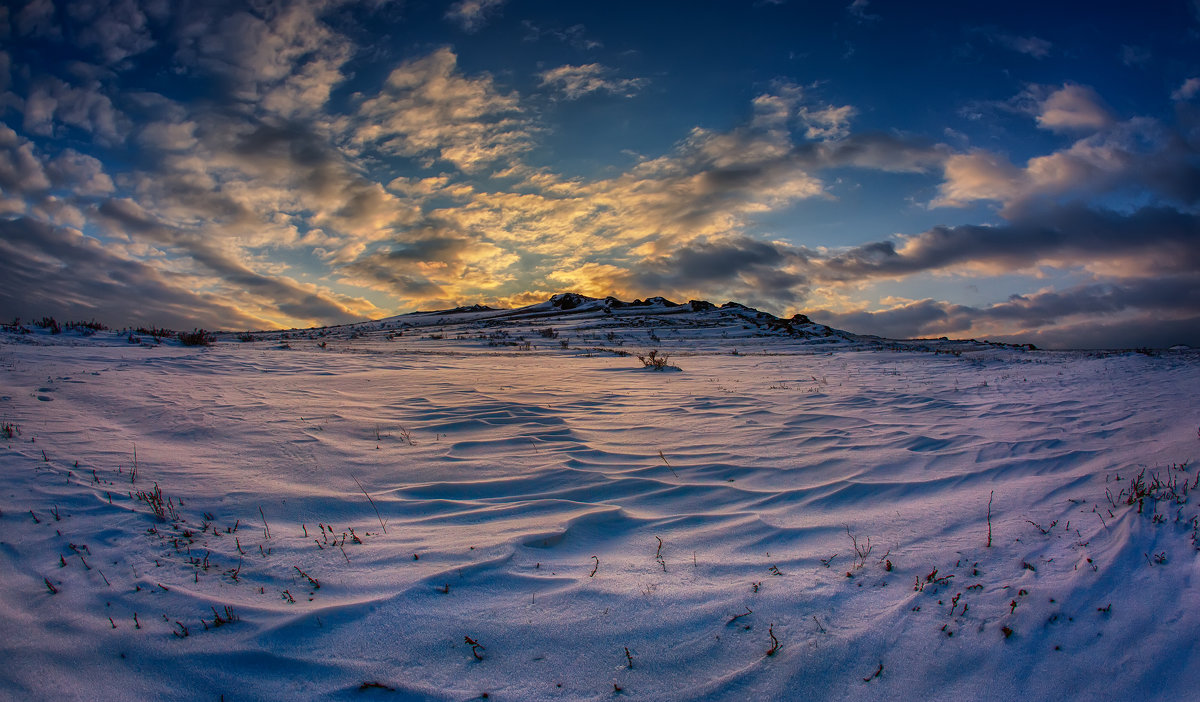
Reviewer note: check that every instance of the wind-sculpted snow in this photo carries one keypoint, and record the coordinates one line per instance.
(364, 505)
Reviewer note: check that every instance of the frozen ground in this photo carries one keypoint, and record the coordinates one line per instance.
(572, 513)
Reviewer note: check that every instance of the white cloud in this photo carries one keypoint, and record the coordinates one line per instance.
(576, 81)
(1072, 108)
(428, 109)
(284, 60)
(977, 175)
(858, 8)
(20, 169)
(168, 136)
(53, 102)
(1137, 156)
(81, 173)
(826, 122)
(1187, 91)
(1030, 46)
(471, 15)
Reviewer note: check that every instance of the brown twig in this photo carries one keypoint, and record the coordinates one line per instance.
(989, 517)
(664, 460)
(266, 528)
(476, 647)
(377, 516)
(877, 673)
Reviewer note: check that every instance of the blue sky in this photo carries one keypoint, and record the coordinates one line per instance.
(1023, 172)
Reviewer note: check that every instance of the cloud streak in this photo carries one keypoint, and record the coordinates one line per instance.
(576, 81)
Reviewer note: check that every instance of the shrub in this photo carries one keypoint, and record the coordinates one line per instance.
(654, 361)
(155, 332)
(196, 337)
(49, 323)
(93, 326)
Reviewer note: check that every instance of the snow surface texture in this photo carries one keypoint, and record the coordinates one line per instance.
(798, 514)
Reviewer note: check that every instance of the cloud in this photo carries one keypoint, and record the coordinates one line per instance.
(52, 103)
(471, 15)
(575, 35)
(278, 297)
(82, 174)
(1187, 91)
(168, 136)
(858, 9)
(37, 19)
(21, 171)
(117, 29)
(1135, 55)
(736, 267)
(978, 175)
(1031, 46)
(576, 81)
(1144, 242)
(1072, 108)
(429, 262)
(826, 122)
(280, 59)
(1138, 157)
(57, 271)
(1156, 312)
(687, 209)
(428, 109)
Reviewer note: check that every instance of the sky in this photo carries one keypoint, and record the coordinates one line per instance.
(1020, 171)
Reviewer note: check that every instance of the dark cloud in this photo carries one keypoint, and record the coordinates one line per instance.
(917, 319)
(21, 170)
(117, 29)
(1159, 237)
(394, 274)
(281, 293)
(1088, 316)
(871, 150)
(399, 267)
(37, 19)
(739, 267)
(48, 270)
(1100, 333)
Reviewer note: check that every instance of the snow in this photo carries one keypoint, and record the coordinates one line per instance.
(525, 490)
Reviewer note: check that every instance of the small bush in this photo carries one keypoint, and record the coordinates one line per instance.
(654, 361)
(155, 332)
(49, 323)
(196, 337)
(93, 326)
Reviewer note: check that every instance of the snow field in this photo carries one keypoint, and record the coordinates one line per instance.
(524, 497)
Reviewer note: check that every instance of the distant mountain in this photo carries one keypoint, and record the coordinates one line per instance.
(583, 313)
